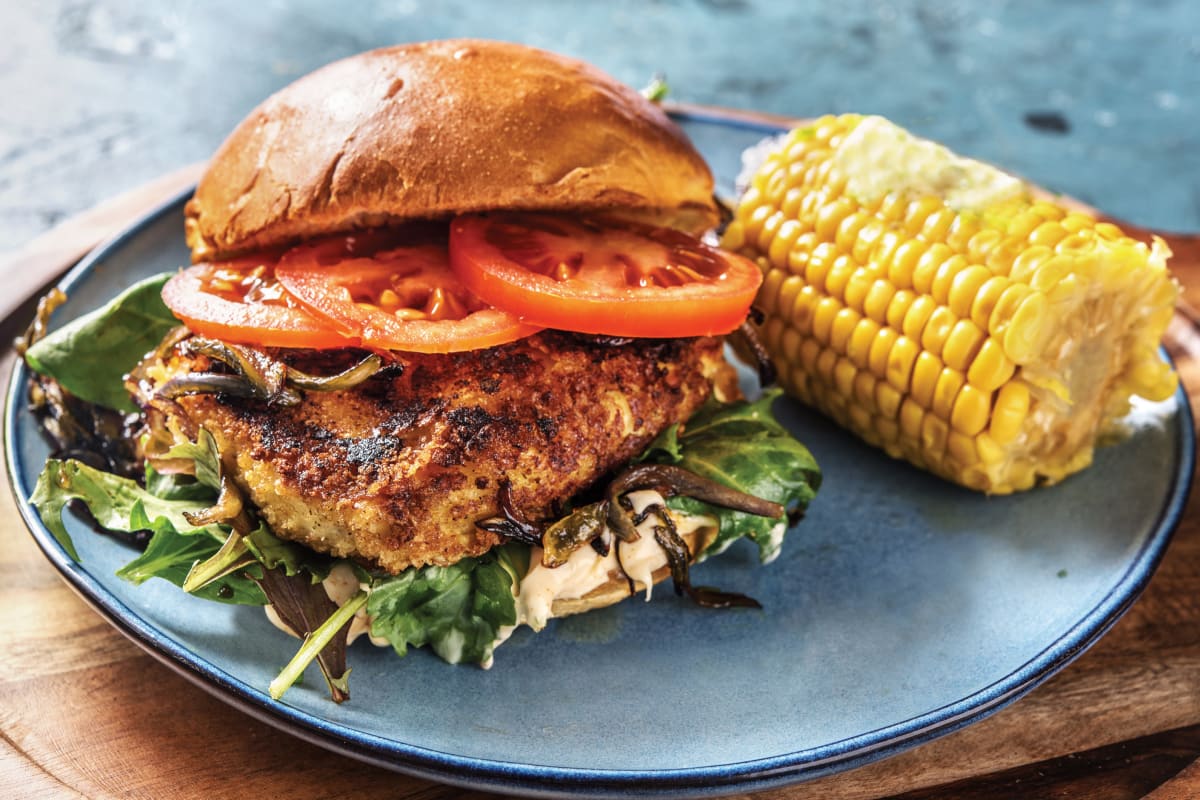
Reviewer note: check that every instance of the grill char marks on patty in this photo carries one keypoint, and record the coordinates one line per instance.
(397, 471)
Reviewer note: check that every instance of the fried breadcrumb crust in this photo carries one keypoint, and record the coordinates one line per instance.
(397, 471)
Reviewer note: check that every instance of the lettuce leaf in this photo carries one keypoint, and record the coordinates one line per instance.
(90, 356)
(742, 446)
(457, 610)
(121, 505)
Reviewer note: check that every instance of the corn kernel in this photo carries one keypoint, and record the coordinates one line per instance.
(856, 289)
(897, 309)
(926, 371)
(788, 289)
(986, 298)
(826, 363)
(918, 315)
(933, 436)
(768, 230)
(949, 382)
(911, 415)
(785, 237)
(1027, 331)
(789, 344)
(918, 211)
(962, 448)
(793, 199)
(858, 348)
(843, 377)
(904, 262)
(847, 232)
(819, 262)
(844, 323)
(803, 308)
(839, 275)
(887, 400)
(944, 278)
(900, 362)
(1047, 234)
(1008, 415)
(965, 287)
(1000, 258)
(962, 231)
(971, 410)
(937, 329)
(1023, 224)
(810, 350)
(962, 345)
(734, 237)
(830, 217)
(937, 224)
(797, 257)
(822, 324)
(1026, 265)
(881, 348)
(864, 390)
(927, 267)
(772, 332)
(982, 243)
(878, 297)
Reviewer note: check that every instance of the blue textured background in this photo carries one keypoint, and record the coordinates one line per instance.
(1098, 100)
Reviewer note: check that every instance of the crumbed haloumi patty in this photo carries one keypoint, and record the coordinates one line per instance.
(397, 471)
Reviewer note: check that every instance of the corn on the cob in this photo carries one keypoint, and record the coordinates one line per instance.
(937, 309)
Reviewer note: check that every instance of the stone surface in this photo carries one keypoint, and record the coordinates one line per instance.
(1097, 100)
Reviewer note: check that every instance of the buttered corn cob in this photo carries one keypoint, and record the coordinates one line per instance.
(933, 306)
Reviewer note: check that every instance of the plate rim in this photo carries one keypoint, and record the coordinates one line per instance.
(543, 780)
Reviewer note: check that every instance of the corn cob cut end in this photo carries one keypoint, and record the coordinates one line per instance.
(933, 306)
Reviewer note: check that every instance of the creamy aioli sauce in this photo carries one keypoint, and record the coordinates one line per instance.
(583, 572)
(878, 157)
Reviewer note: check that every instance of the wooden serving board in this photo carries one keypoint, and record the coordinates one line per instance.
(85, 713)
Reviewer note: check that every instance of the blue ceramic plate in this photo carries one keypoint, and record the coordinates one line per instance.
(902, 608)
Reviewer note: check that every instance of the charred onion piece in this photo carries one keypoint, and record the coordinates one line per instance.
(41, 320)
(671, 480)
(97, 436)
(177, 335)
(747, 336)
(511, 525)
(258, 376)
(230, 509)
(210, 383)
(618, 518)
(573, 531)
(679, 558)
(347, 379)
(266, 375)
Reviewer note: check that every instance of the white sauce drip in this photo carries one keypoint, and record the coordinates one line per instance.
(878, 157)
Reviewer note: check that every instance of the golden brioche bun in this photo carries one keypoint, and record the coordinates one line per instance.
(438, 128)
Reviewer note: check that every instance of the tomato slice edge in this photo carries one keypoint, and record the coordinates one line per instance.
(245, 323)
(693, 309)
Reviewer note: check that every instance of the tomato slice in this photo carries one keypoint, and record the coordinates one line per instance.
(602, 276)
(241, 301)
(395, 291)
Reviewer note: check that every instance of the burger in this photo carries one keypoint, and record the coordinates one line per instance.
(449, 360)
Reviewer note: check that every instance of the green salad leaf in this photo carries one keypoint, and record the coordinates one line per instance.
(457, 610)
(90, 356)
(121, 505)
(742, 446)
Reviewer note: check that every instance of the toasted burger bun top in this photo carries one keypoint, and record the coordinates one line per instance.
(438, 128)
